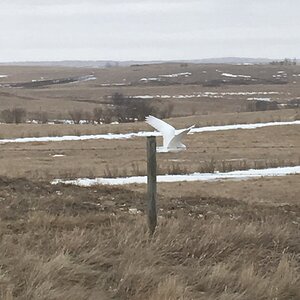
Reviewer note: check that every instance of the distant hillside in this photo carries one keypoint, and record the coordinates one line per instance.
(233, 60)
(111, 63)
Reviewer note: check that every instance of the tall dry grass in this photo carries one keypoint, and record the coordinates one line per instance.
(65, 246)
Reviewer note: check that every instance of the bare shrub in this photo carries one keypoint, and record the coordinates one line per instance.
(297, 115)
(176, 169)
(15, 115)
(98, 114)
(76, 115)
(226, 166)
(136, 170)
(111, 171)
(129, 109)
(19, 115)
(41, 117)
(208, 166)
(7, 116)
(89, 117)
(257, 105)
(108, 116)
(170, 108)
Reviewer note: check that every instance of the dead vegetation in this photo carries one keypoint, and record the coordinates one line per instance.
(61, 242)
(204, 91)
(224, 240)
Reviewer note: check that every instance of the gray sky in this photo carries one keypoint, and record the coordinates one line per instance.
(147, 30)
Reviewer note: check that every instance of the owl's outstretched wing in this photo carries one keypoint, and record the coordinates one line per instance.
(166, 129)
(176, 140)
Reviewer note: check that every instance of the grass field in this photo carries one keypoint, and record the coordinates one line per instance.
(58, 99)
(225, 240)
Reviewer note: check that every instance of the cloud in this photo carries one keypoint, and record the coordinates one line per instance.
(114, 29)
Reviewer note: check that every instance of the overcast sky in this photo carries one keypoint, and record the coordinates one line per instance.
(147, 30)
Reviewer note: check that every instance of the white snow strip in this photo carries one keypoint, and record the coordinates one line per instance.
(149, 79)
(120, 136)
(88, 77)
(242, 126)
(235, 76)
(143, 97)
(249, 93)
(150, 97)
(235, 175)
(58, 155)
(260, 99)
(185, 74)
(204, 94)
(3, 76)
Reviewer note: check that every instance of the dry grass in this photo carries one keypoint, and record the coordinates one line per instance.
(226, 240)
(61, 247)
(37, 130)
(206, 152)
(58, 100)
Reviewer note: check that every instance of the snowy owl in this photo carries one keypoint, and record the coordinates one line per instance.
(171, 137)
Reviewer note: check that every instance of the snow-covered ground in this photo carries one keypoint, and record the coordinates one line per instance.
(204, 95)
(149, 79)
(185, 74)
(3, 76)
(235, 175)
(235, 76)
(175, 75)
(280, 74)
(260, 99)
(118, 136)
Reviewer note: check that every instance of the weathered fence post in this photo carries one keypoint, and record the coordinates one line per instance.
(151, 183)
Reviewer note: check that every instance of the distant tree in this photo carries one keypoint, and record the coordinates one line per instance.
(258, 105)
(118, 98)
(7, 116)
(88, 117)
(15, 115)
(108, 116)
(128, 109)
(19, 115)
(170, 108)
(41, 117)
(76, 115)
(97, 114)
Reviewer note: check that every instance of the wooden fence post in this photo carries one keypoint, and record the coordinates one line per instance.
(151, 183)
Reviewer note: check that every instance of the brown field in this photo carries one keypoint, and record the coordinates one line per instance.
(58, 99)
(225, 240)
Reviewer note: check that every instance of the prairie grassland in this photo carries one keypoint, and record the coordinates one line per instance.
(229, 240)
(58, 99)
(206, 152)
(37, 130)
(65, 242)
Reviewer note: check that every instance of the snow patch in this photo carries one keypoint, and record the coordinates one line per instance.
(185, 74)
(235, 76)
(120, 136)
(143, 97)
(145, 80)
(260, 99)
(235, 175)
